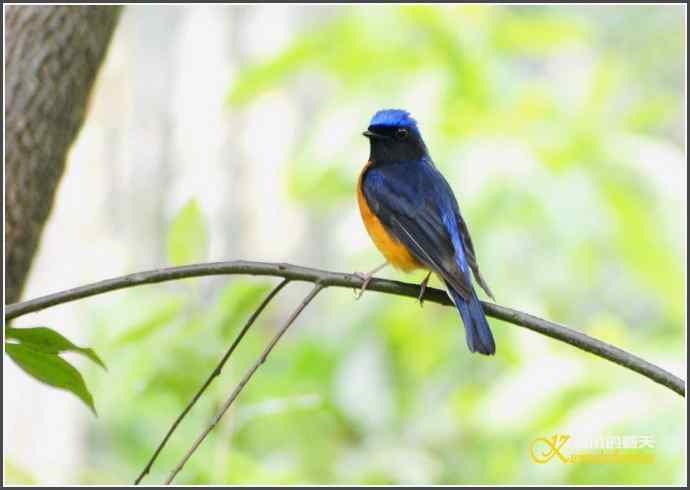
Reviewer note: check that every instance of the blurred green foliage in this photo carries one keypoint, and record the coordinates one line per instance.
(382, 391)
(188, 236)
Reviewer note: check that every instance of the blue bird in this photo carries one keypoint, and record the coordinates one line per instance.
(413, 218)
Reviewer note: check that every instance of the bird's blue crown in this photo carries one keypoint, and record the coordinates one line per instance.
(394, 118)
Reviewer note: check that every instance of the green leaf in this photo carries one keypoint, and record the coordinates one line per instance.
(188, 237)
(49, 341)
(51, 370)
(161, 314)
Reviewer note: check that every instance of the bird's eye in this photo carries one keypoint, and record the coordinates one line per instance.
(401, 133)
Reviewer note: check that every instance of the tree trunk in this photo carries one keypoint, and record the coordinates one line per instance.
(52, 56)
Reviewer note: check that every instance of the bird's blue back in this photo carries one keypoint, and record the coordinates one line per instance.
(418, 190)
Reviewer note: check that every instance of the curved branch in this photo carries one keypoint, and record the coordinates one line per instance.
(338, 279)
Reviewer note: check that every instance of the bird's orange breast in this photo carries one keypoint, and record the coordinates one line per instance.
(395, 252)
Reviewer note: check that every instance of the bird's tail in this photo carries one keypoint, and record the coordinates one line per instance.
(477, 332)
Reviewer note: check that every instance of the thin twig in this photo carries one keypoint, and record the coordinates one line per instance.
(327, 278)
(315, 290)
(216, 372)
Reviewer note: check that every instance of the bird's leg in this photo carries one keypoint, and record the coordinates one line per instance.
(367, 278)
(422, 289)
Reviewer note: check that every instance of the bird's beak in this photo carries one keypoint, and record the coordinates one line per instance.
(372, 135)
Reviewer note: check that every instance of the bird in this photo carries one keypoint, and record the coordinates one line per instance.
(412, 216)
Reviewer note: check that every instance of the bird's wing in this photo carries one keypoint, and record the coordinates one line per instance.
(409, 207)
(471, 256)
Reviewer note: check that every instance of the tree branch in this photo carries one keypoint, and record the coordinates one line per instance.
(293, 316)
(215, 373)
(336, 279)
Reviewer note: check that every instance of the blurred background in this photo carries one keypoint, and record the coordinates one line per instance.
(220, 133)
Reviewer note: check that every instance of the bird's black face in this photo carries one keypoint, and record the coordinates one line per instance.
(394, 144)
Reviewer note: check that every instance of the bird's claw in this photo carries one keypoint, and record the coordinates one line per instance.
(422, 290)
(366, 278)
